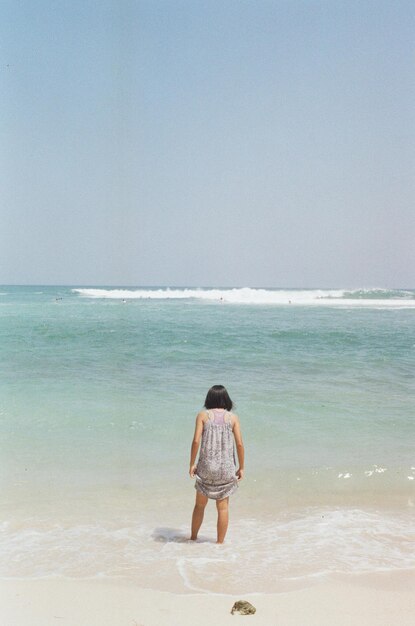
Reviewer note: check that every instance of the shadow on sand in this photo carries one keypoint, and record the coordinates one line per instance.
(163, 534)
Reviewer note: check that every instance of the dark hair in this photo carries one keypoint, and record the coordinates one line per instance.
(218, 398)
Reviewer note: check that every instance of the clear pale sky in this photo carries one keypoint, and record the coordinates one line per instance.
(208, 143)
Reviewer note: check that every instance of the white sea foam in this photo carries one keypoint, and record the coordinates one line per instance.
(301, 544)
(374, 298)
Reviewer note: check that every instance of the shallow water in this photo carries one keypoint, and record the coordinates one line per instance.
(98, 399)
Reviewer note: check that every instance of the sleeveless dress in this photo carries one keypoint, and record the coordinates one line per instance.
(216, 467)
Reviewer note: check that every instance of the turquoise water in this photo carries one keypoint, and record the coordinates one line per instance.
(98, 397)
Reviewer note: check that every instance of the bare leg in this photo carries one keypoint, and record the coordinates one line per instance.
(198, 512)
(223, 518)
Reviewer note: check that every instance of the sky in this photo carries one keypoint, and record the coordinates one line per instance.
(208, 143)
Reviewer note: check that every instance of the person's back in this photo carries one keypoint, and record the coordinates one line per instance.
(216, 468)
(216, 475)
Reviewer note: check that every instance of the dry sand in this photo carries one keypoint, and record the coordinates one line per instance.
(375, 600)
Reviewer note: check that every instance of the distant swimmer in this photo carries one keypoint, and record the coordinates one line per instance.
(124, 301)
(58, 299)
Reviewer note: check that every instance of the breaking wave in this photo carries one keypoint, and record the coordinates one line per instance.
(373, 297)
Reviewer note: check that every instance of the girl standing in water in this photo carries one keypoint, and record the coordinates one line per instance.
(216, 474)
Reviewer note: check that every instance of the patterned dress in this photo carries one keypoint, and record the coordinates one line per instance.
(216, 467)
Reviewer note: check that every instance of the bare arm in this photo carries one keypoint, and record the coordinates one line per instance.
(195, 443)
(239, 447)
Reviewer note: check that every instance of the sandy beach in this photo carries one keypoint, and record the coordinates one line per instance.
(377, 600)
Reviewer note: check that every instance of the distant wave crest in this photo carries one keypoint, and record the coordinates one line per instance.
(246, 295)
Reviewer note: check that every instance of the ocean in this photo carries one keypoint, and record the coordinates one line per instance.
(99, 390)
